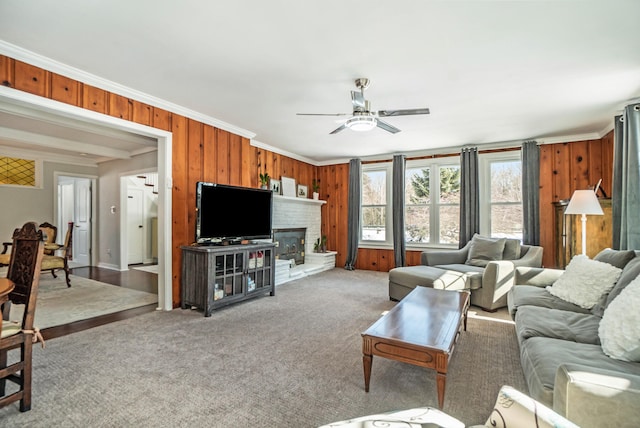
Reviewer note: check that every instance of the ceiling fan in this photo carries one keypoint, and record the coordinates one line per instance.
(362, 118)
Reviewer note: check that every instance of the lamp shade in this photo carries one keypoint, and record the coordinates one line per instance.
(584, 202)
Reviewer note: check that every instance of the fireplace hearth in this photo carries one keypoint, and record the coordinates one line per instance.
(290, 244)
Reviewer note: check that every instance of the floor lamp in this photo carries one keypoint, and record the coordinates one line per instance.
(584, 202)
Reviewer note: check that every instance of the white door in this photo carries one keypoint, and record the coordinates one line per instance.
(135, 226)
(82, 223)
(74, 205)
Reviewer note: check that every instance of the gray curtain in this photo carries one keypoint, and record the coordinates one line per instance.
(399, 246)
(469, 200)
(616, 188)
(353, 215)
(626, 184)
(531, 192)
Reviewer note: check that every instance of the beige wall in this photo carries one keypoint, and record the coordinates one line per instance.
(21, 204)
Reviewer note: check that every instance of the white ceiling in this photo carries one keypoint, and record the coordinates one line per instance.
(490, 71)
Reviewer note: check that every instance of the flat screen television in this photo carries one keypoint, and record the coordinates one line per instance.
(231, 213)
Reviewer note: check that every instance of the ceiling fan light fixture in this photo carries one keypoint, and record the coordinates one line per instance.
(361, 123)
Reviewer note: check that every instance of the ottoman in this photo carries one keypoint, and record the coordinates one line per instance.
(402, 280)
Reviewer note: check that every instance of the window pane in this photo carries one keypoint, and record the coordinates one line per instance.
(450, 185)
(416, 223)
(374, 186)
(506, 181)
(506, 221)
(17, 171)
(449, 224)
(417, 186)
(373, 223)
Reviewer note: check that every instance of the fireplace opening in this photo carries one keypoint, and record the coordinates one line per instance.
(290, 244)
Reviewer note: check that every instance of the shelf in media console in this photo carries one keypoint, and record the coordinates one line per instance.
(302, 200)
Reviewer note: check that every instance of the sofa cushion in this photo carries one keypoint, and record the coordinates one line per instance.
(629, 273)
(541, 357)
(584, 281)
(512, 249)
(472, 274)
(483, 250)
(617, 258)
(524, 295)
(535, 321)
(620, 327)
(427, 276)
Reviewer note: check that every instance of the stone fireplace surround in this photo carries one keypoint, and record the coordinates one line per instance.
(289, 213)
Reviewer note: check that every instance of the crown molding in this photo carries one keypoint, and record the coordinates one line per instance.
(256, 143)
(41, 61)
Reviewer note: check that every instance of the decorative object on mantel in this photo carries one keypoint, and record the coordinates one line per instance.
(302, 191)
(264, 180)
(320, 245)
(275, 186)
(288, 186)
(315, 185)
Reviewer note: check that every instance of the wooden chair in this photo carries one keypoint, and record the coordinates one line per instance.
(59, 261)
(50, 233)
(24, 272)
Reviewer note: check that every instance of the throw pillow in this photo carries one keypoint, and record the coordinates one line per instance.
(629, 273)
(484, 250)
(512, 249)
(584, 281)
(619, 329)
(617, 258)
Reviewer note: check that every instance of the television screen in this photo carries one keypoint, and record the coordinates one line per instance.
(231, 213)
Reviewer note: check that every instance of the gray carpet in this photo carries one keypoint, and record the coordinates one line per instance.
(292, 360)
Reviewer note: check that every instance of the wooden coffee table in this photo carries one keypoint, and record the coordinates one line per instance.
(421, 329)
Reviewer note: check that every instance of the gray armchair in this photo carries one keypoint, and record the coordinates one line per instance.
(490, 281)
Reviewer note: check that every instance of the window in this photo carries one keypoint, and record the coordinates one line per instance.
(432, 202)
(501, 198)
(17, 171)
(374, 204)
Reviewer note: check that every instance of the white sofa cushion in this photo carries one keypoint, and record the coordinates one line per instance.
(619, 328)
(584, 281)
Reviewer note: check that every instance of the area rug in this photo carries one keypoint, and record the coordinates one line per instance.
(148, 268)
(58, 304)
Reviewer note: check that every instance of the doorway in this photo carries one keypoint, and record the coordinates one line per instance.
(140, 233)
(75, 206)
(36, 106)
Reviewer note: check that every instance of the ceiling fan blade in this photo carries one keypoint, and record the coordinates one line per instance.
(357, 98)
(387, 127)
(405, 112)
(340, 128)
(323, 114)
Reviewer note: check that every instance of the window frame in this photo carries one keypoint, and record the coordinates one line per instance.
(388, 241)
(485, 160)
(434, 165)
(38, 165)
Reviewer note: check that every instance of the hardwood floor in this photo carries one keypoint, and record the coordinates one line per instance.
(134, 279)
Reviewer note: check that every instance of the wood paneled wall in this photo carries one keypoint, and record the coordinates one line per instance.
(200, 152)
(566, 167)
(204, 153)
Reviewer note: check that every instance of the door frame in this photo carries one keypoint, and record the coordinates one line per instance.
(18, 100)
(94, 203)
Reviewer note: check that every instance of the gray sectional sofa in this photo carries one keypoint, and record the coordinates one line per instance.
(561, 352)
